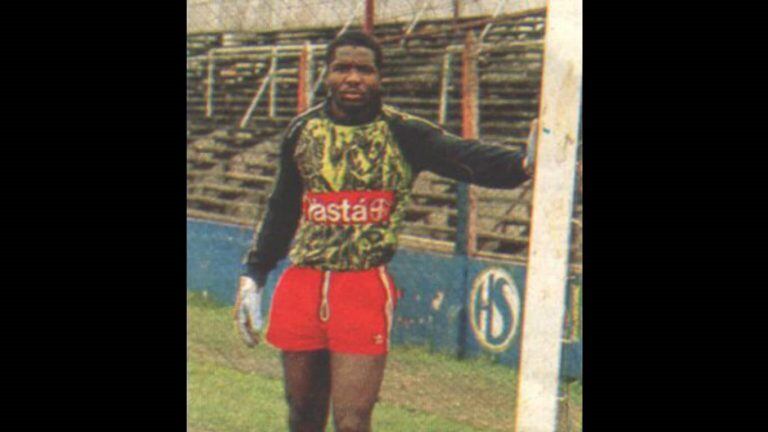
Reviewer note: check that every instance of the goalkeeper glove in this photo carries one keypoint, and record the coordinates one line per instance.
(247, 311)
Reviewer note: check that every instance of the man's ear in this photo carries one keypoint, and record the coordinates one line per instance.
(325, 84)
(325, 75)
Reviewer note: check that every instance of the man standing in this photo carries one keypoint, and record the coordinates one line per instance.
(346, 170)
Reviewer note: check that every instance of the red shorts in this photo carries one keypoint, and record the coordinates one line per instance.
(346, 312)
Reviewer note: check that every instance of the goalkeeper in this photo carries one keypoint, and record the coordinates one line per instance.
(345, 174)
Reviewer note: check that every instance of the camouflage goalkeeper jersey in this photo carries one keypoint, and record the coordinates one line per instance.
(343, 187)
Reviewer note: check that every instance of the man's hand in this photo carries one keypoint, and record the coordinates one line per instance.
(247, 311)
(530, 152)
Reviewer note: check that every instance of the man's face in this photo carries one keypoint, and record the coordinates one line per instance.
(353, 78)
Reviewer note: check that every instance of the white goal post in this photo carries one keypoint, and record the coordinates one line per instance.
(554, 182)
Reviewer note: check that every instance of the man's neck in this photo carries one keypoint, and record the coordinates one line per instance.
(353, 117)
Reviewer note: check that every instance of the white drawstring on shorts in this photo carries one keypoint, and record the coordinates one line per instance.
(325, 310)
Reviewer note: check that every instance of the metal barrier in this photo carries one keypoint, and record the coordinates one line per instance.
(451, 303)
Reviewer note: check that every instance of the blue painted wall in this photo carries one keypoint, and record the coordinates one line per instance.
(433, 311)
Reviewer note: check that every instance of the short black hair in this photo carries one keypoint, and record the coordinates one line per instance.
(355, 38)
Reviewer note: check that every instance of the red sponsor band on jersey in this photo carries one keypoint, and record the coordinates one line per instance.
(348, 207)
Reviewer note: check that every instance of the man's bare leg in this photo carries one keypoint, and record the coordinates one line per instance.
(307, 389)
(355, 384)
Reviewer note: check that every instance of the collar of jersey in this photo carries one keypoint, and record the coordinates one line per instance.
(370, 118)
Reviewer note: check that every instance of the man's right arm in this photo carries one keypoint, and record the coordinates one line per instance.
(283, 213)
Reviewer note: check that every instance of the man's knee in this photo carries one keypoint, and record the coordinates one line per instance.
(306, 410)
(352, 418)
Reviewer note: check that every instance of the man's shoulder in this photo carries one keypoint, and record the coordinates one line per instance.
(410, 123)
(290, 135)
(302, 119)
(404, 118)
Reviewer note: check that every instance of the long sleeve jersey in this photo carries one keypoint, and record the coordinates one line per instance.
(346, 186)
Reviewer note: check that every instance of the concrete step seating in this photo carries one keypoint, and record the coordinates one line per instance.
(231, 177)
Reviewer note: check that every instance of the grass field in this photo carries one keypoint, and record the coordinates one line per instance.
(232, 388)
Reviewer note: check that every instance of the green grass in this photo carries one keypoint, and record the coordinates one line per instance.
(233, 388)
